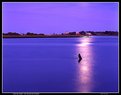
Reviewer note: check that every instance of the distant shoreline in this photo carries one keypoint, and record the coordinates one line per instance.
(64, 36)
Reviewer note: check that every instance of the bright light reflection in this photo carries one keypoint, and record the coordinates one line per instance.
(85, 66)
(84, 42)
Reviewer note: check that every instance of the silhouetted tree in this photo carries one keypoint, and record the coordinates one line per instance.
(12, 33)
(72, 33)
(82, 32)
(28, 33)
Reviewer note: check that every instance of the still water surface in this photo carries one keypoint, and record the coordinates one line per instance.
(51, 64)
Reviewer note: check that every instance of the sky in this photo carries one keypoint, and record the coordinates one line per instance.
(59, 17)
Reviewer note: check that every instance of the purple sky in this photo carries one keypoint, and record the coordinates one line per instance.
(53, 17)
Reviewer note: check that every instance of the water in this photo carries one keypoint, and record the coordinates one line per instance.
(51, 64)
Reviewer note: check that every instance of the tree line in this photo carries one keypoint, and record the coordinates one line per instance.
(68, 33)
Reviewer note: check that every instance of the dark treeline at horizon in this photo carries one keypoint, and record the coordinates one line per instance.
(71, 33)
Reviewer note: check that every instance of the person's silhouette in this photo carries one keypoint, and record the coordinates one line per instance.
(80, 58)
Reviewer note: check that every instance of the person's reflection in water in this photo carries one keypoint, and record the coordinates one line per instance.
(80, 58)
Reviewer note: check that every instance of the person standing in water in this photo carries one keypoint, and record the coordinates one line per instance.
(80, 58)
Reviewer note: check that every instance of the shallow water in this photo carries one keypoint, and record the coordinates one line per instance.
(51, 64)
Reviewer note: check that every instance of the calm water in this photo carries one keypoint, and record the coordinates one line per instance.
(51, 64)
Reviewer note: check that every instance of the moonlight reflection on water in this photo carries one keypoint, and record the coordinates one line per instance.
(85, 68)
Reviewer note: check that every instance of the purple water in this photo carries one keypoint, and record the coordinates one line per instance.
(51, 64)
